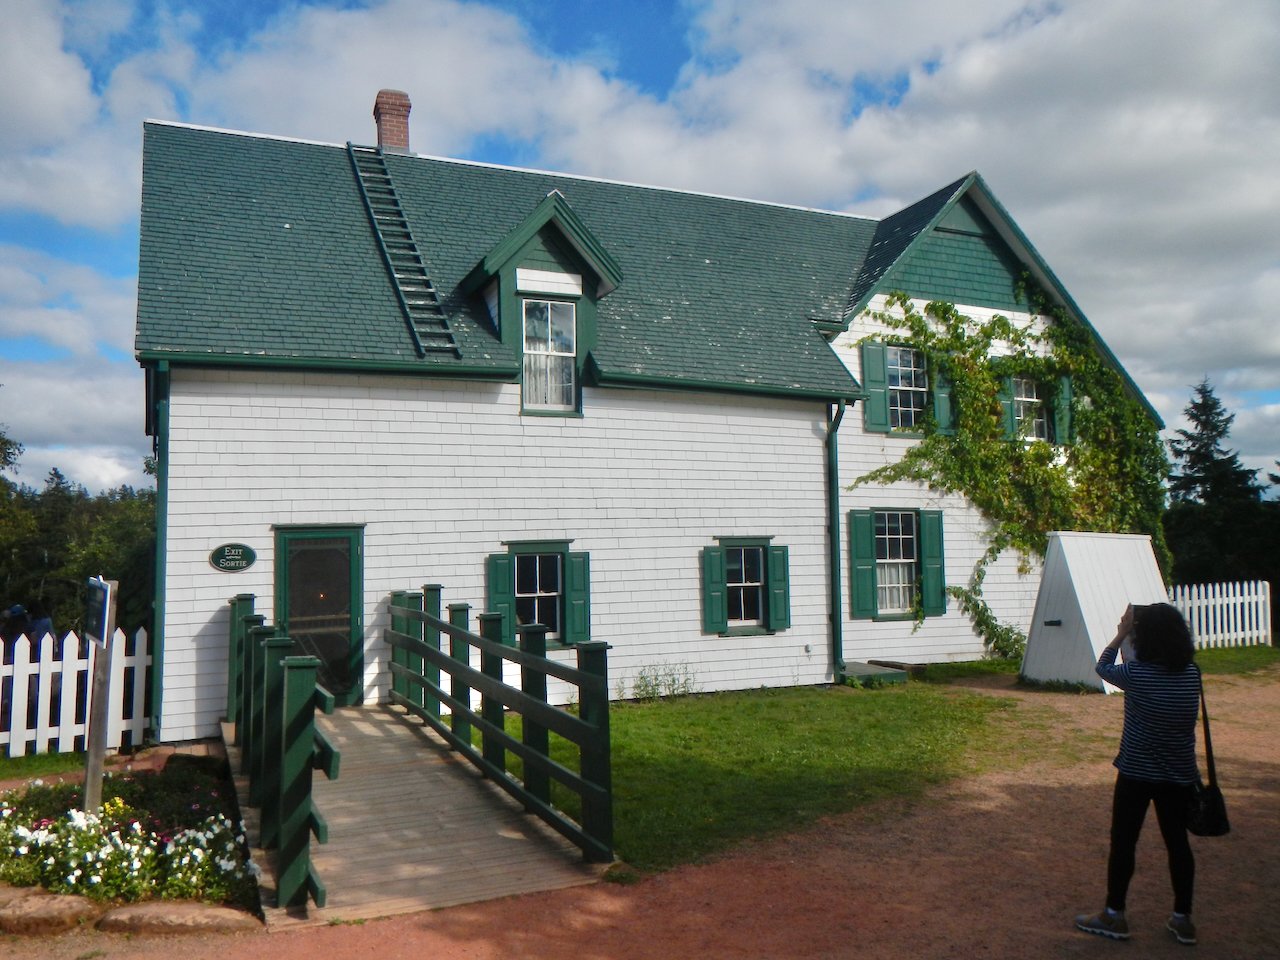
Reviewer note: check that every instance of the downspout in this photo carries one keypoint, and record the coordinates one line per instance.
(836, 613)
(159, 376)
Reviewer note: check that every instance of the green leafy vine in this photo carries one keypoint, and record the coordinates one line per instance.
(1106, 477)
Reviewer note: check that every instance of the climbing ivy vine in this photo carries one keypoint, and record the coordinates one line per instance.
(1107, 477)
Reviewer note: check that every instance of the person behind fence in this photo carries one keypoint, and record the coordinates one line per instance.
(1157, 759)
(17, 623)
(41, 623)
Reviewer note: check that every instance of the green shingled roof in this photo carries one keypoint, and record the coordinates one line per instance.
(258, 250)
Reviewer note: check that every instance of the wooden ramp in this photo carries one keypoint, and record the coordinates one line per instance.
(412, 826)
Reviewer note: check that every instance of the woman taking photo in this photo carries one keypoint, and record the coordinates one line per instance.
(1157, 759)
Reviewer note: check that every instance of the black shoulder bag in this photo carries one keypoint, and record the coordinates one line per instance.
(1206, 810)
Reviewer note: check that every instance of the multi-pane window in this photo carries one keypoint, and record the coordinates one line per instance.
(897, 554)
(550, 355)
(744, 582)
(539, 590)
(908, 384)
(897, 563)
(544, 582)
(1031, 418)
(746, 586)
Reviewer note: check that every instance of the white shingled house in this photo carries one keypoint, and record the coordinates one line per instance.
(626, 412)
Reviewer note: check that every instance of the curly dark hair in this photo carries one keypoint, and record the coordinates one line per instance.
(1161, 635)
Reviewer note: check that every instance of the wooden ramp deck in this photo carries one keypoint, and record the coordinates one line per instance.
(413, 826)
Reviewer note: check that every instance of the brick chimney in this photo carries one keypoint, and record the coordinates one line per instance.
(391, 114)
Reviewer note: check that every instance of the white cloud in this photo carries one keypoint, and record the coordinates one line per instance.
(85, 418)
(67, 305)
(1134, 143)
(47, 93)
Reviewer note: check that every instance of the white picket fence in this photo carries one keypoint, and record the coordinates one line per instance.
(45, 698)
(1225, 614)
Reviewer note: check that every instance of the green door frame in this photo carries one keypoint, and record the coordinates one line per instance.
(284, 536)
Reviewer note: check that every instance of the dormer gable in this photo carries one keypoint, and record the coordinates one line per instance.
(540, 286)
(553, 212)
(960, 245)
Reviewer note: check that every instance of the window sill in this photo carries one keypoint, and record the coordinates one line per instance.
(561, 414)
(746, 632)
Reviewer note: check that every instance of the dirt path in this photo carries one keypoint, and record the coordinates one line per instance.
(995, 866)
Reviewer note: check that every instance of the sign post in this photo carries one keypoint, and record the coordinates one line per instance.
(99, 625)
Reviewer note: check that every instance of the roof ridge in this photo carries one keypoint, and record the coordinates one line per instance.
(586, 178)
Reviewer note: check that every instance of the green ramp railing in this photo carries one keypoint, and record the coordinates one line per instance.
(272, 697)
(419, 665)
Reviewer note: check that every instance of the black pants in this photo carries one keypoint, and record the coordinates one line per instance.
(1128, 810)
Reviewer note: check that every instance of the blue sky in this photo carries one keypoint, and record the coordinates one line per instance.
(1134, 143)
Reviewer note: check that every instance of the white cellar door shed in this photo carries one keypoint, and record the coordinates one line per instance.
(1088, 579)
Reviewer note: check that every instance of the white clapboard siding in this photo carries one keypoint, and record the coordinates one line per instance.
(1225, 614)
(28, 680)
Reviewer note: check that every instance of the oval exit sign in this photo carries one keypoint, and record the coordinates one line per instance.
(232, 557)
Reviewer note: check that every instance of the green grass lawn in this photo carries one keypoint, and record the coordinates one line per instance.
(39, 765)
(1237, 660)
(694, 775)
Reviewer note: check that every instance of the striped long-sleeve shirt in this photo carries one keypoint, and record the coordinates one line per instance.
(1161, 707)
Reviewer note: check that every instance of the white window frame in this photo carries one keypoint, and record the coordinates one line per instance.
(541, 595)
(739, 588)
(1029, 407)
(908, 383)
(897, 560)
(541, 359)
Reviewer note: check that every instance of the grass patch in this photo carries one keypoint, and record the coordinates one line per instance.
(1237, 660)
(39, 765)
(950, 672)
(694, 775)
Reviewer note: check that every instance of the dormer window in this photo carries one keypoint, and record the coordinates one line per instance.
(541, 284)
(550, 355)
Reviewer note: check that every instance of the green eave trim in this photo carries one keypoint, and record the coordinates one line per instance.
(642, 380)
(553, 209)
(503, 372)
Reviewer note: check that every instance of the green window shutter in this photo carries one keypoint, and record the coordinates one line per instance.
(933, 581)
(715, 606)
(500, 592)
(1063, 428)
(875, 381)
(577, 598)
(778, 584)
(862, 563)
(944, 411)
(1006, 408)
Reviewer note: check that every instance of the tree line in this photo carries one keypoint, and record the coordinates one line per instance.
(53, 539)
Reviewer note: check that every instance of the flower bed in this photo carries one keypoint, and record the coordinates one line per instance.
(173, 835)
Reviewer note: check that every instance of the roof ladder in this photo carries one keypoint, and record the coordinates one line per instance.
(423, 311)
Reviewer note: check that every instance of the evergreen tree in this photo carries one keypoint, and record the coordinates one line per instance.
(1209, 473)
